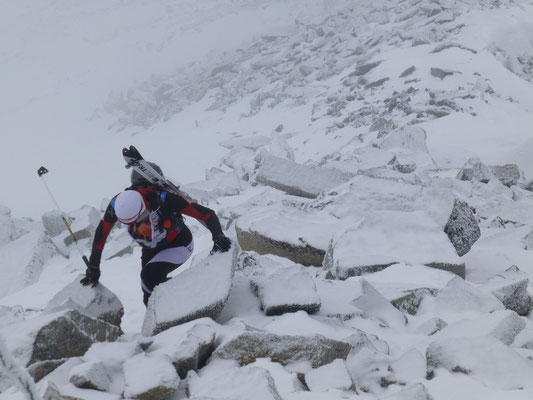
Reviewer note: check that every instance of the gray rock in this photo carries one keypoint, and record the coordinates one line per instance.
(474, 170)
(249, 346)
(297, 179)
(250, 240)
(90, 375)
(40, 369)
(511, 289)
(52, 393)
(508, 174)
(177, 301)
(194, 351)
(411, 299)
(441, 73)
(70, 334)
(462, 228)
(377, 83)
(408, 71)
(364, 68)
(98, 302)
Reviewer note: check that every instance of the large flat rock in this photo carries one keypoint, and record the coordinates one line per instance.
(200, 291)
(297, 179)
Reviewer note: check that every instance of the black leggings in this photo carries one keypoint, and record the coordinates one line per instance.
(153, 274)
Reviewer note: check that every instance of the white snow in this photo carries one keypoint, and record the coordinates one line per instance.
(224, 94)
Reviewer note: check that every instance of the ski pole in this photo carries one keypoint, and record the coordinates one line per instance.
(41, 171)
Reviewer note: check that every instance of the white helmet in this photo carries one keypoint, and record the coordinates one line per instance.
(129, 206)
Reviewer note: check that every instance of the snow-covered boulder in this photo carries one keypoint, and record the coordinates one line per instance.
(408, 137)
(187, 351)
(510, 288)
(373, 304)
(508, 174)
(415, 391)
(334, 375)
(149, 377)
(470, 356)
(474, 170)
(217, 184)
(460, 296)
(248, 142)
(431, 326)
(23, 261)
(384, 238)
(364, 340)
(503, 325)
(297, 179)
(222, 379)
(410, 367)
(98, 302)
(55, 336)
(249, 346)
(200, 291)
(281, 285)
(90, 375)
(53, 222)
(295, 235)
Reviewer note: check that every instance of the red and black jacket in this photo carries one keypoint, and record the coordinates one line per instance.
(170, 207)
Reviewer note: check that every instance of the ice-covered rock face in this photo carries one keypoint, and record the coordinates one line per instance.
(98, 302)
(200, 291)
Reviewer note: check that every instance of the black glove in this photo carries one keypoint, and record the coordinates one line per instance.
(221, 244)
(92, 275)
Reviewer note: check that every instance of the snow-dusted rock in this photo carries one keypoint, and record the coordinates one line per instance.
(293, 234)
(411, 238)
(83, 224)
(280, 148)
(334, 375)
(23, 261)
(7, 226)
(281, 285)
(462, 228)
(474, 170)
(410, 367)
(297, 179)
(90, 375)
(200, 291)
(371, 370)
(471, 356)
(193, 351)
(508, 174)
(459, 296)
(53, 222)
(503, 325)
(362, 340)
(407, 137)
(98, 302)
(52, 392)
(510, 288)
(224, 380)
(218, 184)
(55, 336)
(431, 326)
(410, 300)
(149, 377)
(416, 391)
(40, 369)
(248, 142)
(249, 346)
(374, 304)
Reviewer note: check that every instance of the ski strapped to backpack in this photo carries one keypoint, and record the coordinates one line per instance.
(134, 160)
